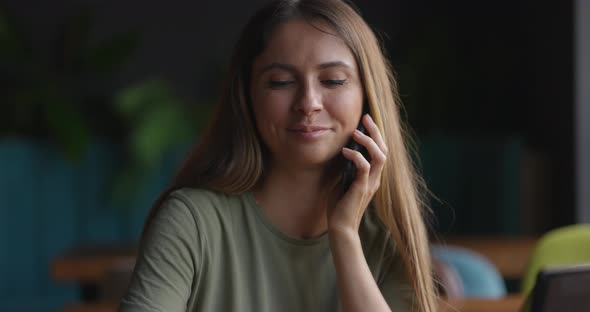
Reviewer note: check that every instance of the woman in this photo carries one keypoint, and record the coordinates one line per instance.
(258, 219)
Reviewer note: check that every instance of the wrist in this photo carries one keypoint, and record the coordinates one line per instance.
(343, 235)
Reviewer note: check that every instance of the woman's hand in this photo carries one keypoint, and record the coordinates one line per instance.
(345, 216)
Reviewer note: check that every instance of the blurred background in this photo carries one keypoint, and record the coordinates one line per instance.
(100, 101)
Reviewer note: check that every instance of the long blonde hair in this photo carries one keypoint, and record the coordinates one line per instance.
(230, 157)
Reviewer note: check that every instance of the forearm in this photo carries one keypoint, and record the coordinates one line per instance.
(357, 287)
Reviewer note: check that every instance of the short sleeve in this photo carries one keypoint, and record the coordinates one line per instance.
(395, 284)
(165, 267)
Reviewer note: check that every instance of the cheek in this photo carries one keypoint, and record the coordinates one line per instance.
(269, 110)
(347, 107)
(271, 106)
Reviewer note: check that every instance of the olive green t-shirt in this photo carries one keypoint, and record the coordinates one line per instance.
(207, 251)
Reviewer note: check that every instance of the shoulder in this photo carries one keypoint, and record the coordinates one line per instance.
(187, 205)
(197, 198)
(212, 211)
(204, 203)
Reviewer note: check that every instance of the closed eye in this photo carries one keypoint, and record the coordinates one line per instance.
(277, 84)
(334, 82)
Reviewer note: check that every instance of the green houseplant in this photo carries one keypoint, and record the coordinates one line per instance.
(58, 96)
(72, 148)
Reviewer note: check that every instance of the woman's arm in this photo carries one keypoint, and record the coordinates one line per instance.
(357, 287)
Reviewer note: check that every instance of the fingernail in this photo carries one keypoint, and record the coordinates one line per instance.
(357, 132)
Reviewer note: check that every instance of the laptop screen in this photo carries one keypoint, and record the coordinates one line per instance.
(562, 289)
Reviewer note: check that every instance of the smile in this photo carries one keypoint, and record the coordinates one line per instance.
(308, 132)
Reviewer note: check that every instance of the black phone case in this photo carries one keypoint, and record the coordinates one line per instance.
(349, 170)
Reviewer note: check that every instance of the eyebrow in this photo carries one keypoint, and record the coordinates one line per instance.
(291, 68)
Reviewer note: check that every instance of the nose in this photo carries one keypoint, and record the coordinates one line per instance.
(309, 100)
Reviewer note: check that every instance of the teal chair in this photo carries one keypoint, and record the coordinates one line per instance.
(479, 277)
(564, 246)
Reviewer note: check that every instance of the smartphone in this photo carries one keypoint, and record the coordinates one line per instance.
(349, 170)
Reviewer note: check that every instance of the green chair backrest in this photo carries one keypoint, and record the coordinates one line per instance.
(568, 245)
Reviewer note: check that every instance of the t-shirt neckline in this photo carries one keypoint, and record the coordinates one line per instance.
(320, 240)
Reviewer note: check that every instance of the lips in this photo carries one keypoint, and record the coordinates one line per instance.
(305, 128)
(308, 133)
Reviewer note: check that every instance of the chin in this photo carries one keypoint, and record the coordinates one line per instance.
(313, 159)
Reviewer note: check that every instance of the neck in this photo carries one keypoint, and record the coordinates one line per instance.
(294, 199)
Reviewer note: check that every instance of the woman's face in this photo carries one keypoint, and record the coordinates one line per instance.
(306, 94)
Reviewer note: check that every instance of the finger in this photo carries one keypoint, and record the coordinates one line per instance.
(377, 155)
(378, 158)
(374, 132)
(361, 180)
(363, 167)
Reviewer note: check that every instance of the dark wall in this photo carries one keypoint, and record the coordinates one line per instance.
(492, 68)
(185, 42)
